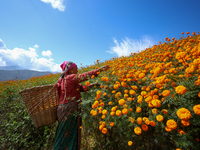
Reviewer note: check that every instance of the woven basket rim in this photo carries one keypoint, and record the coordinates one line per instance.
(35, 87)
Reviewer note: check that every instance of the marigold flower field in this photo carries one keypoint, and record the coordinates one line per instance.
(148, 100)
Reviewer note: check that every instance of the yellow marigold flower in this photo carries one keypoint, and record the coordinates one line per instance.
(118, 113)
(104, 130)
(178, 149)
(164, 111)
(171, 124)
(156, 102)
(121, 102)
(196, 109)
(110, 103)
(154, 111)
(141, 75)
(98, 92)
(138, 109)
(147, 122)
(159, 118)
(104, 112)
(181, 55)
(143, 93)
(144, 127)
(190, 69)
(180, 89)
(112, 124)
(94, 113)
(123, 84)
(101, 127)
(185, 122)
(152, 123)
(132, 92)
(166, 93)
(139, 101)
(130, 143)
(87, 83)
(125, 111)
(183, 113)
(139, 120)
(112, 113)
(137, 130)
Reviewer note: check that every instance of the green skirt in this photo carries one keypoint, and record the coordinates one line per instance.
(68, 133)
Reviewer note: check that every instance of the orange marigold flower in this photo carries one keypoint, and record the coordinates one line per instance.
(168, 129)
(132, 92)
(166, 93)
(196, 109)
(94, 112)
(164, 111)
(159, 118)
(183, 113)
(171, 124)
(104, 130)
(137, 130)
(103, 117)
(181, 89)
(138, 109)
(112, 113)
(185, 122)
(144, 127)
(134, 87)
(139, 120)
(130, 143)
(152, 123)
(87, 83)
(125, 111)
(112, 124)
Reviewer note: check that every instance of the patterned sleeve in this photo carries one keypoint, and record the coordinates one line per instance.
(85, 76)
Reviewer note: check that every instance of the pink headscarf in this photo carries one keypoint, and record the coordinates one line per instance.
(63, 65)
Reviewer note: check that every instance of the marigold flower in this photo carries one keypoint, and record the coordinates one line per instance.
(152, 123)
(118, 113)
(166, 93)
(121, 102)
(134, 87)
(132, 92)
(104, 130)
(159, 118)
(110, 103)
(112, 124)
(112, 113)
(183, 113)
(144, 127)
(138, 109)
(141, 75)
(137, 130)
(87, 83)
(171, 124)
(104, 112)
(125, 111)
(181, 89)
(130, 143)
(165, 111)
(139, 120)
(103, 117)
(94, 112)
(196, 109)
(168, 129)
(185, 122)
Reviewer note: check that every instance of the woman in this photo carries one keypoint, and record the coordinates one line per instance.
(68, 135)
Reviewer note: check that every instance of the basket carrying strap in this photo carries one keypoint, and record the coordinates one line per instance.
(68, 65)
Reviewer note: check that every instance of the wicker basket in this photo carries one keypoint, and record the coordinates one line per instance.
(41, 104)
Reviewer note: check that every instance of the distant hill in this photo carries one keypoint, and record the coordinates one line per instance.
(14, 67)
(20, 74)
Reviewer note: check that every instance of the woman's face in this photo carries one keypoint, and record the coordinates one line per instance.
(73, 70)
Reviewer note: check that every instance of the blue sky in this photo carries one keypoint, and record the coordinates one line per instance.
(41, 34)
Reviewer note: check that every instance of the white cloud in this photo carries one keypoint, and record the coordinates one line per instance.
(56, 4)
(36, 46)
(27, 59)
(46, 53)
(128, 46)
